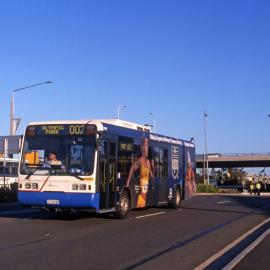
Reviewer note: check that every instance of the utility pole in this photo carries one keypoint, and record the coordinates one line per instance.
(14, 122)
(205, 159)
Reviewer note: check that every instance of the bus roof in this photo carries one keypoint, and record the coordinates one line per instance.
(119, 123)
(116, 122)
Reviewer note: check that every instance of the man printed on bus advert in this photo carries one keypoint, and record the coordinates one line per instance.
(190, 178)
(144, 167)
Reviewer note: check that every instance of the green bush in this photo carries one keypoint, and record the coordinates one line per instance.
(207, 188)
(9, 193)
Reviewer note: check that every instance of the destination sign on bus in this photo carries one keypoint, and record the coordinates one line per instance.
(56, 130)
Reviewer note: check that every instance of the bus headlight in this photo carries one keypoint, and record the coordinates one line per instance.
(74, 187)
(82, 187)
(34, 185)
(27, 185)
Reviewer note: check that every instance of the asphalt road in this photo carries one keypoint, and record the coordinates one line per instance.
(155, 238)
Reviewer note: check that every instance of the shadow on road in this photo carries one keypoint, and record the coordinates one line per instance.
(232, 204)
(39, 214)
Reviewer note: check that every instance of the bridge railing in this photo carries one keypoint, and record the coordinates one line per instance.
(241, 154)
(232, 155)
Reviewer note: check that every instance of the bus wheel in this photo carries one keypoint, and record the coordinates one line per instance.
(124, 206)
(176, 199)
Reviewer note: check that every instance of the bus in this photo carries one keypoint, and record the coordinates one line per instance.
(8, 171)
(109, 166)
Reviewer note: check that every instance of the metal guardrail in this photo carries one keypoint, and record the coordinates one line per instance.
(234, 160)
(5, 185)
(231, 187)
(244, 154)
(234, 154)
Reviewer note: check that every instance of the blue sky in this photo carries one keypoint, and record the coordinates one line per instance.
(173, 58)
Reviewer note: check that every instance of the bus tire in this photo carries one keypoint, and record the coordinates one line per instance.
(124, 206)
(176, 199)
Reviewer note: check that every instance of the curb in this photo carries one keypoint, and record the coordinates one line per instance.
(233, 194)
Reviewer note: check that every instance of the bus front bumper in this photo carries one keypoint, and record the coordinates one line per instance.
(59, 199)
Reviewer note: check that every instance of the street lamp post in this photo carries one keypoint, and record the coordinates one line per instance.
(154, 122)
(205, 152)
(14, 122)
(118, 110)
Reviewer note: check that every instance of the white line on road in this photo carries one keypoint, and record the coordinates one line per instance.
(150, 215)
(224, 202)
(230, 246)
(246, 251)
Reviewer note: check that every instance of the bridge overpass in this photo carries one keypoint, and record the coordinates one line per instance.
(235, 160)
(10, 145)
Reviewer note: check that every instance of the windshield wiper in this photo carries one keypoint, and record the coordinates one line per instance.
(34, 170)
(76, 176)
(51, 169)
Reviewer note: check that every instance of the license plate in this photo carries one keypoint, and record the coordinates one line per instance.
(53, 202)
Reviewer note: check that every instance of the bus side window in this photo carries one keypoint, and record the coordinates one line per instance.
(165, 162)
(102, 151)
(126, 155)
(151, 159)
(156, 162)
(160, 157)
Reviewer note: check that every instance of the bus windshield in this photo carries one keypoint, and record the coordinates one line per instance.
(61, 155)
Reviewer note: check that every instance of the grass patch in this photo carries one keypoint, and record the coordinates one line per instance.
(202, 188)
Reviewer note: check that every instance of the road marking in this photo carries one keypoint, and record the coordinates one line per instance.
(246, 251)
(230, 246)
(150, 215)
(224, 202)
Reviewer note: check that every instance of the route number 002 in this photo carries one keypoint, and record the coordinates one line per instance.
(76, 129)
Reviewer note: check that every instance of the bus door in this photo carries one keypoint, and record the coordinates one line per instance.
(160, 158)
(107, 174)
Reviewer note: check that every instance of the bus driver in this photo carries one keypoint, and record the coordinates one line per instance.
(53, 161)
(52, 157)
